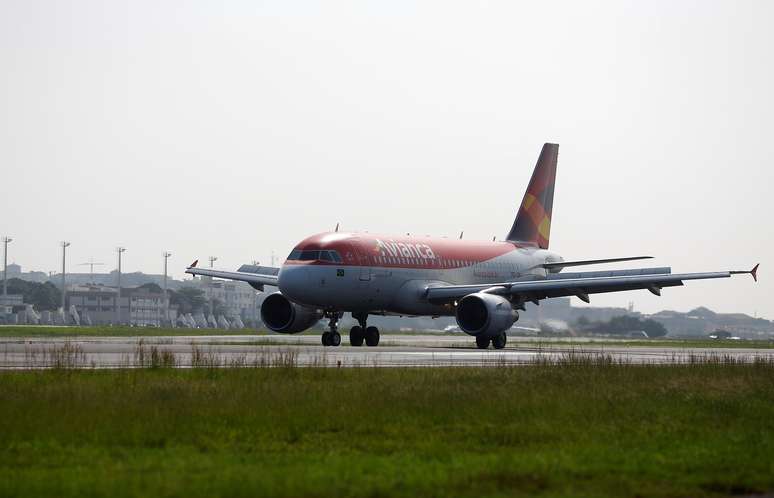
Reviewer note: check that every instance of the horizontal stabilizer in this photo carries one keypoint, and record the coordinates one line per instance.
(563, 264)
(753, 272)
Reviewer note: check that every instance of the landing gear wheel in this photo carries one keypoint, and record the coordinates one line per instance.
(356, 336)
(482, 342)
(372, 336)
(499, 341)
(332, 336)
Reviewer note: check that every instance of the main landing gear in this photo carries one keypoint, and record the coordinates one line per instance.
(362, 332)
(357, 334)
(498, 341)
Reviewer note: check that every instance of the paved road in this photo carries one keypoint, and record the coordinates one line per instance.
(275, 350)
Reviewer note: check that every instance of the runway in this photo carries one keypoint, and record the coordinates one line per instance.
(305, 350)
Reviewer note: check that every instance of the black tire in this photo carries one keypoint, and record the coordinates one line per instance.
(335, 339)
(372, 336)
(356, 336)
(326, 339)
(482, 341)
(499, 341)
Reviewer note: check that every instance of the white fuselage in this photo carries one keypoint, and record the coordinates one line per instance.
(400, 289)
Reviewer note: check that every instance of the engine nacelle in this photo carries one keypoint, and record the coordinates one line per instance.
(485, 314)
(280, 314)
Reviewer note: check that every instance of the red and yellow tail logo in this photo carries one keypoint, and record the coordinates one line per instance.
(533, 222)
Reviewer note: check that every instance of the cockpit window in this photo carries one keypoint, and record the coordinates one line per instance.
(309, 255)
(299, 255)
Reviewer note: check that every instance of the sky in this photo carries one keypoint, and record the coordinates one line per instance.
(237, 128)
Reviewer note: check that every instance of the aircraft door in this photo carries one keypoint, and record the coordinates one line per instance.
(362, 262)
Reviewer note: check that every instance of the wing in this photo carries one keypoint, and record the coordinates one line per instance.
(579, 284)
(563, 264)
(256, 276)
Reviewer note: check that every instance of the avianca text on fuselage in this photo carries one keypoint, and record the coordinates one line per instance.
(404, 249)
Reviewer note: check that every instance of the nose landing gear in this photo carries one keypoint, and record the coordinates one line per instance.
(332, 337)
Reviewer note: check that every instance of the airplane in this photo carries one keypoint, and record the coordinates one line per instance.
(483, 284)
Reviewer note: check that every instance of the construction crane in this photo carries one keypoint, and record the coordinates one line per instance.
(91, 264)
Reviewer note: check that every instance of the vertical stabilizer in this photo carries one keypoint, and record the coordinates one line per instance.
(533, 221)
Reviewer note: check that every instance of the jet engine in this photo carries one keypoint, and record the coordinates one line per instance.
(485, 314)
(283, 315)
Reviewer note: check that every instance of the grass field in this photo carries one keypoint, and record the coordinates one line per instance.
(572, 429)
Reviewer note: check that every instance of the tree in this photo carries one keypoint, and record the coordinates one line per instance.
(625, 324)
(151, 287)
(582, 322)
(188, 299)
(654, 328)
(218, 307)
(45, 296)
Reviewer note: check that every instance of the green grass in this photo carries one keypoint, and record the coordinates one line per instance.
(574, 429)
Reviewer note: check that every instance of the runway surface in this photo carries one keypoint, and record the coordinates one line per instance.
(280, 350)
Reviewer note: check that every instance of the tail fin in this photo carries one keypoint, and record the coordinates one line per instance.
(533, 222)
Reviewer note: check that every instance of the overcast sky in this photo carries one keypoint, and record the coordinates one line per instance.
(236, 129)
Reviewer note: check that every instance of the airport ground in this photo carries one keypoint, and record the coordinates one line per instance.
(35, 331)
(541, 418)
(394, 350)
(577, 427)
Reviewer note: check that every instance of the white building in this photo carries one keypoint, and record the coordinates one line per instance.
(238, 297)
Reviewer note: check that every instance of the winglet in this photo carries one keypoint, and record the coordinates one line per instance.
(193, 265)
(753, 272)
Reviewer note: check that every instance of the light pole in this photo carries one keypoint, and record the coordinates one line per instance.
(120, 251)
(167, 254)
(256, 293)
(209, 285)
(6, 241)
(65, 245)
